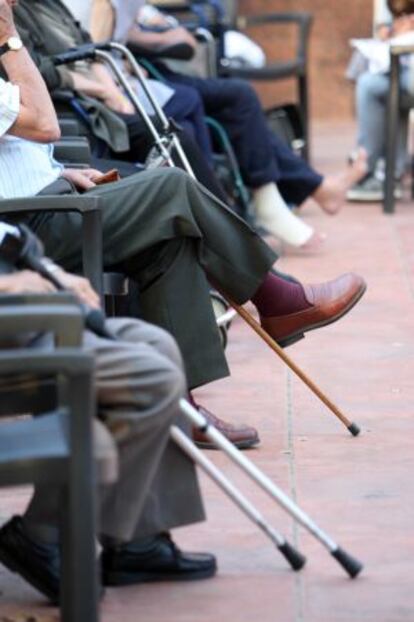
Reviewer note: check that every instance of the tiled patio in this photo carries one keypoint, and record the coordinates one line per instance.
(361, 490)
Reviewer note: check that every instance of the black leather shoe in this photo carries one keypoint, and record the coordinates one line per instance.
(37, 563)
(158, 559)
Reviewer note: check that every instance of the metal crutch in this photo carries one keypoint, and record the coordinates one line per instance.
(351, 565)
(293, 556)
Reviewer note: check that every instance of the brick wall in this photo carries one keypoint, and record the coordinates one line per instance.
(335, 23)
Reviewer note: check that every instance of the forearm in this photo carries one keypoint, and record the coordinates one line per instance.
(87, 86)
(150, 40)
(37, 119)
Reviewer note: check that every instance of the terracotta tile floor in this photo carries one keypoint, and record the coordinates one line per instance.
(360, 490)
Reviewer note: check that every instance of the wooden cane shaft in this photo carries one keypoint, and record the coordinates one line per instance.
(247, 317)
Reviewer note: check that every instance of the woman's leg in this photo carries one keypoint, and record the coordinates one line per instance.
(371, 99)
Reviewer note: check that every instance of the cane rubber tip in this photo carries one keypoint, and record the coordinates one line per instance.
(293, 556)
(354, 429)
(352, 566)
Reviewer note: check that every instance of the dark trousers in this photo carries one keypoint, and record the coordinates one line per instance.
(171, 236)
(187, 109)
(262, 156)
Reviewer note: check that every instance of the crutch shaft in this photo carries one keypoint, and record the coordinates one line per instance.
(351, 565)
(107, 58)
(254, 473)
(157, 108)
(295, 558)
(352, 427)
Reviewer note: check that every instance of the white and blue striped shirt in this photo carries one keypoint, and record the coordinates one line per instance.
(25, 167)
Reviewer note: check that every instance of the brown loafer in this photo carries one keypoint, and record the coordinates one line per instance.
(242, 436)
(330, 301)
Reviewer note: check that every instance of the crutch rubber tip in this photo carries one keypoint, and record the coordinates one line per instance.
(294, 557)
(354, 429)
(352, 566)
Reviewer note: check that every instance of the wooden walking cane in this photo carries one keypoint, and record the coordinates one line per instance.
(249, 319)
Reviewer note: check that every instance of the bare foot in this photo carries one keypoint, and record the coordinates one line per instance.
(331, 194)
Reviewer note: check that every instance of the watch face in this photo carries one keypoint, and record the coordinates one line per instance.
(15, 43)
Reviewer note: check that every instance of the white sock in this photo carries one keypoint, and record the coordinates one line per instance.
(273, 214)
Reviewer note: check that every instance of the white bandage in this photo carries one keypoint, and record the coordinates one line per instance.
(274, 215)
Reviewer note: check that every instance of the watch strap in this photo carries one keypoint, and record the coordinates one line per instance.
(4, 48)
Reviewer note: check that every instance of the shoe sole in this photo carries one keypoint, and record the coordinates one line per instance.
(372, 198)
(239, 445)
(368, 198)
(11, 564)
(110, 579)
(301, 335)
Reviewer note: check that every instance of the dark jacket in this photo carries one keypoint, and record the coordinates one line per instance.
(42, 41)
(45, 38)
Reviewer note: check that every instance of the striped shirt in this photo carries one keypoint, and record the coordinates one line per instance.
(25, 167)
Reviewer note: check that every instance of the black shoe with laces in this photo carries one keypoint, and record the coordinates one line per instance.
(38, 563)
(154, 559)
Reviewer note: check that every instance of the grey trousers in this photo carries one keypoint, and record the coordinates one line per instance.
(371, 106)
(171, 236)
(139, 380)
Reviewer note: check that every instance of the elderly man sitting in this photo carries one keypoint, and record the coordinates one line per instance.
(139, 381)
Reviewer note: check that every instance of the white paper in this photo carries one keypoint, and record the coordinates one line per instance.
(377, 52)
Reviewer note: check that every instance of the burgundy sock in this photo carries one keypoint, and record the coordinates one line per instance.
(276, 296)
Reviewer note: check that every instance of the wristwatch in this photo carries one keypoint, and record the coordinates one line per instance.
(13, 44)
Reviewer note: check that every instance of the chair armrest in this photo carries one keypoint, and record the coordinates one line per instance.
(88, 207)
(73, 150)
(65, 203)
(68, 127)
(64, 298)
(65, 321)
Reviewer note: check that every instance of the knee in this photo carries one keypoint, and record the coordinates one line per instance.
(369, 86)
(167, 346)
(171, 386)
(244, 93)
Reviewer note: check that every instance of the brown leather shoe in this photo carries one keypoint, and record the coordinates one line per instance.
(330, 301)
(242, 436)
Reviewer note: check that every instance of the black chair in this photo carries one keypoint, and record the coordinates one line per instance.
(90, 213)
(393, 107)
(296, 68)
(55, 447)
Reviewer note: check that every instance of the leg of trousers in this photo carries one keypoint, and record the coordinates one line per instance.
(169, 234)
(139, 381)
(186, 108)
(262, 156)
(371, 105)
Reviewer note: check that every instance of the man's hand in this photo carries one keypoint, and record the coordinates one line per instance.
(7, 27)
(118, 102)
(80, 287)
(83, 179)
(25, 282)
